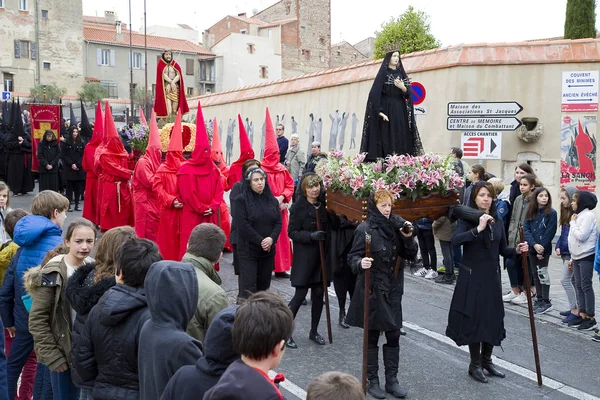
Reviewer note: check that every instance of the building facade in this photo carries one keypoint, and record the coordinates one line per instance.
(42, 43)
(366, 47)
(344, 53)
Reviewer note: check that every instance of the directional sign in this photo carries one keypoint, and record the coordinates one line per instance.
(482, 145)
(580, 91)
(419, 92)
(499, 108)
(420, 110)
(5, 96)
(483, 123)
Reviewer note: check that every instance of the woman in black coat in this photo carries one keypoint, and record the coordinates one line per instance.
(306, 265)
(258, 220)
(48, 155)
(391, 237)
(476, 316)
(72, 155)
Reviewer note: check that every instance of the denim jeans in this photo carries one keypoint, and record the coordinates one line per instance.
(42, 385)
(447, 253)
(457, 256)
(20, 351)
(541, 276)
(427, 247)
(583, 270)
(567, 282)
(63, 387)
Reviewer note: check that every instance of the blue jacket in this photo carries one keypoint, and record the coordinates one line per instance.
(503, 210)
(563, 240)
(541, 230)
(425, 224)
(35, 235)
(597, 258)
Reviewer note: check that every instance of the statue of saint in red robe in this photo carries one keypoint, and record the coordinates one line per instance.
(146, 203)
(170, 91)
(282, 185)
(116, 207)
(217, 156)
(200, 187)
(90, 205)
(168, 236)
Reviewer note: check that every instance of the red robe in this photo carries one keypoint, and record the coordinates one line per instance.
(116, 208)
(98, 170)
(168, 236)
(144, 196)
(282, 184)
(90, 205)
(160, 101)
(225, 222)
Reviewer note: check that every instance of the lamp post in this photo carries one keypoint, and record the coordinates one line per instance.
(131, 87)
(146, 110)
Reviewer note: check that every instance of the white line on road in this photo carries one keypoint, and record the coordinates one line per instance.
(531, 375)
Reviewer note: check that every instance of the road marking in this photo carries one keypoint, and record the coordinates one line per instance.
(290, 387)
(524, 372)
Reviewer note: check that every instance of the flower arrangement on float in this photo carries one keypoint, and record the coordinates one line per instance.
(138, 138)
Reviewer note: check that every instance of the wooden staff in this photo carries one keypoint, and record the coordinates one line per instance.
(366, 313)
(536, 354)
(324, 275)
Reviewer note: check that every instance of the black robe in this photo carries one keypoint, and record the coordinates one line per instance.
(48, 154)
(18, 171)
(399, 135)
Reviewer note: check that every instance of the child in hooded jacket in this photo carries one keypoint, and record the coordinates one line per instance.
(562, 250)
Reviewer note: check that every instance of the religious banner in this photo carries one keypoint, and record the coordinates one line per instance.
(43, 117)
(578, 151)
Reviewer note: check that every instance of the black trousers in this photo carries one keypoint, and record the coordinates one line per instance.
(392, 338)
(316, 295)
(427, 247)
(255, 274)
(344, 282)
(75, 187)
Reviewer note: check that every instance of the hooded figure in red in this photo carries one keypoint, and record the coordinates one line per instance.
(116, 208)
(169, 203)
(282, 185)
(200, 187)
(90, 206)
(146, 207)
(98, 166)
(246, 153)
(217, 157)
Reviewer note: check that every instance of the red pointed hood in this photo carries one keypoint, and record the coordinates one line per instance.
(270, 162)
(113, 141)
(201, 162)
(143, 117)
(246, 153)
(98, 127)
(217, 148)
(174, 157)
(176, 141)
(153, 151)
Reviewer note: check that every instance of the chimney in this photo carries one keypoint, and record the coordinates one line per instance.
(118, 32)
(118, 25)
(242, 15)
(109, 17)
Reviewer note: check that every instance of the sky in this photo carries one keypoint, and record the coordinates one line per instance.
(452, 22)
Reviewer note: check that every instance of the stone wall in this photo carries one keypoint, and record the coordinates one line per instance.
(344, 53)
(284, 9)
(221, 29)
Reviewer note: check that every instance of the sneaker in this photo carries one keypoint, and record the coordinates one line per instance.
(587, 325)
(520, 299)
(543, 307)
(445, 279)
(596, 337)
(509, 296)
(575, 323)
(565, 313)
(431, 274)
(421, 272)
(441, 270)
(569, 318)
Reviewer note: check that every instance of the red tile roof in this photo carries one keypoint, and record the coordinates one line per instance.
(277, 23)
(248, 20)
(106, 34)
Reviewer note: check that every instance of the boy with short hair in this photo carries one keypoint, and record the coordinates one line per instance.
(203, 252)
(335, 385)
(263, 324)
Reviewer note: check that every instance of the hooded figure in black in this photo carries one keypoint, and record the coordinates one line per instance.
(72, 156)
(18, 145)
(48, 154)
(192, 381)
(391, 237)
(86, 128)
(476, 316)
(172, 296)
(390, 126)
(4, 134)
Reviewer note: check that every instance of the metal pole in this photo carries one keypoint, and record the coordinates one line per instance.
(145, 65)
(324, 275)
(38, 57)
(130, 63)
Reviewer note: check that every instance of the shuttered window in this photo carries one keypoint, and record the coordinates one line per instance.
(189, 66)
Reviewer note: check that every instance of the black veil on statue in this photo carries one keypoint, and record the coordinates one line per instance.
(400, 135)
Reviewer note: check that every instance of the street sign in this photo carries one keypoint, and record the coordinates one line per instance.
(420, 110)
(483, 123)
(418, 92)
(580, 91)
(481, 145)
(5, 96)
(498, 108)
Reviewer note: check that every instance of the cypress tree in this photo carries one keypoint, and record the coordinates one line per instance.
(580, 21)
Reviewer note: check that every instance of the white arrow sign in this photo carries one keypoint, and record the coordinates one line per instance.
(483, 123)
(499, 108)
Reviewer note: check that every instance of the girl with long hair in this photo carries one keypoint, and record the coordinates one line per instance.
(562, 250)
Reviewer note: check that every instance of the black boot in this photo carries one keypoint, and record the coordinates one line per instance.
(343, 323)
(475, 370)
(486, 361)
(391, 358)
(77, 207)
(373, 387)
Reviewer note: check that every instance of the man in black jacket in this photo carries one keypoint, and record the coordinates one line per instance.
(108, 346)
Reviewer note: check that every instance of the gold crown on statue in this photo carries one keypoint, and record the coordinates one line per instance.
(394, 46)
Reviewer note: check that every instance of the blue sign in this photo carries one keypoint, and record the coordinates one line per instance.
(5, 96)
(418, 92)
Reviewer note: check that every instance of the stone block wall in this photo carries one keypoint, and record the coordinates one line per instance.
(284, 9)
(344, 53)
(227, 25)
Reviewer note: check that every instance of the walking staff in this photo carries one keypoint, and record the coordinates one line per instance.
(366, 313)
(324, 274)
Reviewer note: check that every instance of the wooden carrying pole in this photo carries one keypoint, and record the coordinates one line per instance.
(324, 276)
(536, 354)
(366, 313)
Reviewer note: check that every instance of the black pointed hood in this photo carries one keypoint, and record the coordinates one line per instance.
(18, 129)
(72, 117)
(86, 129)
(5, 116)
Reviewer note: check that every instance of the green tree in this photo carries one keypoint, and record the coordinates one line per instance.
(91, 92)
(138, 96)
(411, 30)
(580, 21)
(53, 93)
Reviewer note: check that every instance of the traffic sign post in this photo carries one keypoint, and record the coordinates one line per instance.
(580, 91)
(480, 108)
(481, 145)
(483, 123)
(418, 92)
(5, 96)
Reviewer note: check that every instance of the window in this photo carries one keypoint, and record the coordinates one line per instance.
(46, 66)
(153, 89)
(228, 24)
(251, 48)
(243, 31)
(264, 72)
(322, 57)
(270, 31)
(9, 85)
(113, 92)
(23, 5)
(105, 57)
(1, 3)
(189, 66)
(302, 30)
(138, 61)
(45, 14)
(306, 54)
(24, 49)
(190, 91)
(322, 40)
(207, 71)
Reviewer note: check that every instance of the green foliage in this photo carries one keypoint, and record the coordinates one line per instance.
(138, 96)
(411, 30)
(53, 93)
(580, 21)
(91, 92)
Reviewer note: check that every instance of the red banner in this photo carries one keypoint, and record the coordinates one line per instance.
(43, 117)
